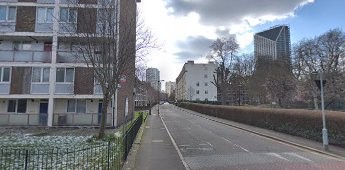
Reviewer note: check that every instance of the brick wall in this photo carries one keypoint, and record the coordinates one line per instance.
(127, 52)
(84, 80)
(26, 16)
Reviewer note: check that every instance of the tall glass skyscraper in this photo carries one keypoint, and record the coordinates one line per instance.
(273, 43)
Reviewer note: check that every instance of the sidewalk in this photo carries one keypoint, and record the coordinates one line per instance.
(157, 151)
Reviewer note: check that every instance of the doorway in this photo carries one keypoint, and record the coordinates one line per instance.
(43, 116)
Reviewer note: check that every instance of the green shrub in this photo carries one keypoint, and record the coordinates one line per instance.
(298, 122)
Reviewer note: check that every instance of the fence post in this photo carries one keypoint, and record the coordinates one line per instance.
(108, 155)
(26, 159)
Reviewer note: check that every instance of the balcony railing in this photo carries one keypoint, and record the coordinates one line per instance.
(59, 119)
(25, 56)
(79, 119)
(69, 57)
(22, 119)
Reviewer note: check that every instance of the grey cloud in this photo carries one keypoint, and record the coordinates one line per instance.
(223, 12)
(193, 47)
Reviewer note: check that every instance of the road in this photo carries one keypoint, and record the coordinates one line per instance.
(205, 144)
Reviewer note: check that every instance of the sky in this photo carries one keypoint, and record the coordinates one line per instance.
(184, 29)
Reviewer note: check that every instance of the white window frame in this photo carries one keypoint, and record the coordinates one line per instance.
(21, 45)
(76, 101)
(41, 75)
(7, 13)
(65, 74)
(2, 75)
(68, 15)
(16, 105)
(45, 17)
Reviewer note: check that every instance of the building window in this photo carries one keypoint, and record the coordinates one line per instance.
(205, 75)
(20, 106)
(5, 74)
(26, 45)
(40, 74)
(206, 92)
(197, 84)
(76, 106)
(64, 74)
(206, 84)
(11, 107)
(45, 15)
(68, 15)
(197, 92)
(7, 13)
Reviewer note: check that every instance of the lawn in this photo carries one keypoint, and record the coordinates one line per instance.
(44, 151)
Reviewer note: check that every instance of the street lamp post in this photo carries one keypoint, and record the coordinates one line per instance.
(324, 129)
(159, 87)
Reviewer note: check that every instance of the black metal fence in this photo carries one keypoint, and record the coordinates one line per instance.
(104, 155)
(101, 155)
(130, 135)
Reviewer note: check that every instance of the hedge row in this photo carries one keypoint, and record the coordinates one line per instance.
(298, 122)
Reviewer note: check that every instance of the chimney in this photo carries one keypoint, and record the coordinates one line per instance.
(190, 62)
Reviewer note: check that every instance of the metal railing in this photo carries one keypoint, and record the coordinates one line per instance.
(131, 134)
(105, 155)
(100, 155)
(25, 56)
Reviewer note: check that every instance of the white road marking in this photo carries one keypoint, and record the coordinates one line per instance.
(176, 147)
(236, 145)
(157, 141)
(203, 149)
(277, 156)
(183, 145)
(299, 156)
(210, 144)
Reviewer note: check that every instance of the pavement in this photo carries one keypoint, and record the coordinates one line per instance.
(156, 151)
(183, 139)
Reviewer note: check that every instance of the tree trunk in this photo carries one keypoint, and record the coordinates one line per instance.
(103, 117)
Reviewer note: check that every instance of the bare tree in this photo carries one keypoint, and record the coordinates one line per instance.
(324, 53)
(105, 37)
(243, 68)
(223, 52)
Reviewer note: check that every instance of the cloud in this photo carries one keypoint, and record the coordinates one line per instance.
(193, 47)
(227, 12)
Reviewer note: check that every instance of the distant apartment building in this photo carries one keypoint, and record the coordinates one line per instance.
(153, 77)
(145, 94)
(194, 82)
(170, 87)
(273, 43)
(42, 82)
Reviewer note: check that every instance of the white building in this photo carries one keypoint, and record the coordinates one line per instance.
(194, 82)
(170, 87)
(152, 77)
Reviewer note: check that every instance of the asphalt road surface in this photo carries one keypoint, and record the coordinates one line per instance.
(205, 144)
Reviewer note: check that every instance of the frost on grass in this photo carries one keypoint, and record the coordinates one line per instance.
(57, 152)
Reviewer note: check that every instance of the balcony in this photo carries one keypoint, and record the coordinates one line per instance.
(25, 56)
(69, 57)
(79, 119)
(5, 88)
